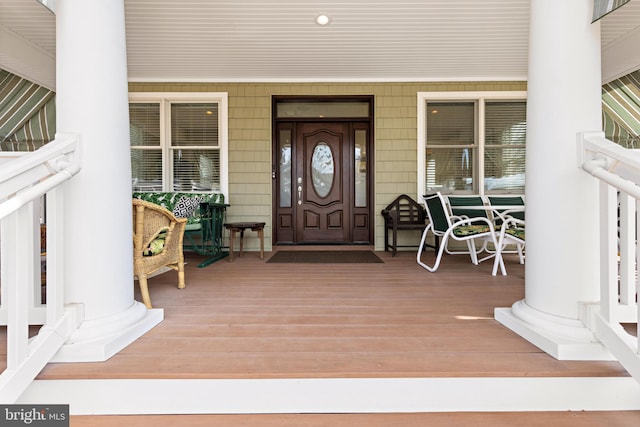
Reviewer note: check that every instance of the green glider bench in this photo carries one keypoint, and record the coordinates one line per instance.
(205, 214)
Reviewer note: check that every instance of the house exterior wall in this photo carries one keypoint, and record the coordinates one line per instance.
(395, 133)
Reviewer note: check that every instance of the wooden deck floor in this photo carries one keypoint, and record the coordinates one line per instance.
(251, 319)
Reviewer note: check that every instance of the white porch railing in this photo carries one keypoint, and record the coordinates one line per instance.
(23, 181)
(618, 170)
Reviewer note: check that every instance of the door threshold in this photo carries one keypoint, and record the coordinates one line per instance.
(323, 247)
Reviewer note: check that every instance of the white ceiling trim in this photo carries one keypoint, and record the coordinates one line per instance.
(329, 80)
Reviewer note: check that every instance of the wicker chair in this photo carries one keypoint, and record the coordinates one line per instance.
(157, 243)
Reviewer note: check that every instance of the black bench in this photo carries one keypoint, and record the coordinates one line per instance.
(403, 213)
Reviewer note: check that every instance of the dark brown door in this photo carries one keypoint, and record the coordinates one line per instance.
(322, 182)
(322, 175)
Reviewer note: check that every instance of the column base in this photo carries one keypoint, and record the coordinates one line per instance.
(98, 340)
(562, 338)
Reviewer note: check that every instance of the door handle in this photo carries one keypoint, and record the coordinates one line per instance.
(299, 190)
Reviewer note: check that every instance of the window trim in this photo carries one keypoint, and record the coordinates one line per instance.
(166, 98)
(424, 97)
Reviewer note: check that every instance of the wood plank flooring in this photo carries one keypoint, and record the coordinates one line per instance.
(251, 319)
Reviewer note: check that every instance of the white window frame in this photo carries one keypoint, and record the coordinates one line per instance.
(480, 97)
(165, 99)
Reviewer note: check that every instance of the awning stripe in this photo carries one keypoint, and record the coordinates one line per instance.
(621, 119)
(27, 113)
(621, 108)
(21, 105)
(617, 133)
(36, 132)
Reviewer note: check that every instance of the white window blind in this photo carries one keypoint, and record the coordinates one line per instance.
(178, 141)
(451, 146)
(471, 142)
(146, 151)
(504, 152)
(194, 146)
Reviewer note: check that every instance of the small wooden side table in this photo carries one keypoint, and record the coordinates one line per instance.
(235, 227)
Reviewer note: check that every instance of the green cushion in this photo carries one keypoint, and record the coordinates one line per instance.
(193, 227)
(470, 230)
(169, 200)
(516, 232)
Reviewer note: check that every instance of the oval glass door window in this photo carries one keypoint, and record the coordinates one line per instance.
(322, 169)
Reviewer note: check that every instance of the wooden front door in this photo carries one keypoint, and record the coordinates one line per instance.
(322, 177)
(322, 183)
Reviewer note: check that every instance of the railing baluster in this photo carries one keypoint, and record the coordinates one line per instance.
(608, 251)
(55, 232)
(17, 294)
(627, 249)
(637, 278)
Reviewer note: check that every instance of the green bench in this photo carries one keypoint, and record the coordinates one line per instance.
(205, 216)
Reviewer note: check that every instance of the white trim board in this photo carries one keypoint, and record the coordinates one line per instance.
(336, 395)
(324, 79)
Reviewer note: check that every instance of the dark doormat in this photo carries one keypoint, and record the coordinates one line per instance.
(325, 257)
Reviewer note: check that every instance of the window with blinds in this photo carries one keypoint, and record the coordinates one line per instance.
(146, 151)
(475, 146)
(176, 144)
(451, 146)
(194, 147)
(504, 152)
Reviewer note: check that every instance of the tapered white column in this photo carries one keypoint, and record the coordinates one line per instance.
(564, 98)
(92, 100)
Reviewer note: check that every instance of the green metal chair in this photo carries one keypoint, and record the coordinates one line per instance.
(507, 201)
(511, 223)
(512, 231)
(458, 203)
(468, 230)
(459, 208)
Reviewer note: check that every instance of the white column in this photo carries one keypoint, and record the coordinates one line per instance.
(92, 100)
(564, 98)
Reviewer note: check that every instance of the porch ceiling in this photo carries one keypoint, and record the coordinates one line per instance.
(366, 40)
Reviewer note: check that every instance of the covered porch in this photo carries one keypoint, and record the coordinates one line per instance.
(210, 362)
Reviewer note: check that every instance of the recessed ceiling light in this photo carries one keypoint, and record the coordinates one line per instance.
(322, 19)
